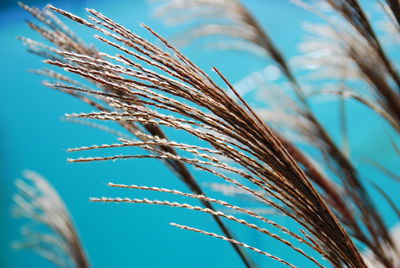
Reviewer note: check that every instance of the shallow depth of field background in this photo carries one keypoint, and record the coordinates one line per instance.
(33, 136)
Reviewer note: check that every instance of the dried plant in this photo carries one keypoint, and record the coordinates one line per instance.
(227, 18)
(145, 88)
(39, 202)
(353, 50)
(59, 35)
(231, 128)
(394, 11)
(359, 56)
(233, 20)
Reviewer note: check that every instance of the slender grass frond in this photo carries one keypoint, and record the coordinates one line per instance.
(232, 14)
(38, 201)
(393, 253)
(389, 173)
(364, 100)
(388, 199)
(222, 203)
(242, 136)
(357, 53)
(66, 42)
(146, 88)
(389, 26)
(394, 6)
(226, 18)
(216, 213)
(312, 129)
(354, 14)
(232, 241)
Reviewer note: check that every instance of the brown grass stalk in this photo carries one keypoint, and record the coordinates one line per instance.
(266, 161)
(236, 15)
(63, 38)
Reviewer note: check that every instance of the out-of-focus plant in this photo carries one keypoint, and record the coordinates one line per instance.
(50, 231)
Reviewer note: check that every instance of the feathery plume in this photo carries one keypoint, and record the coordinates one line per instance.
(38, 201)
(64, 39)
(241, 135)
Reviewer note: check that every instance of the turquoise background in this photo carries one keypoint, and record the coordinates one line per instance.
(32, 136)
